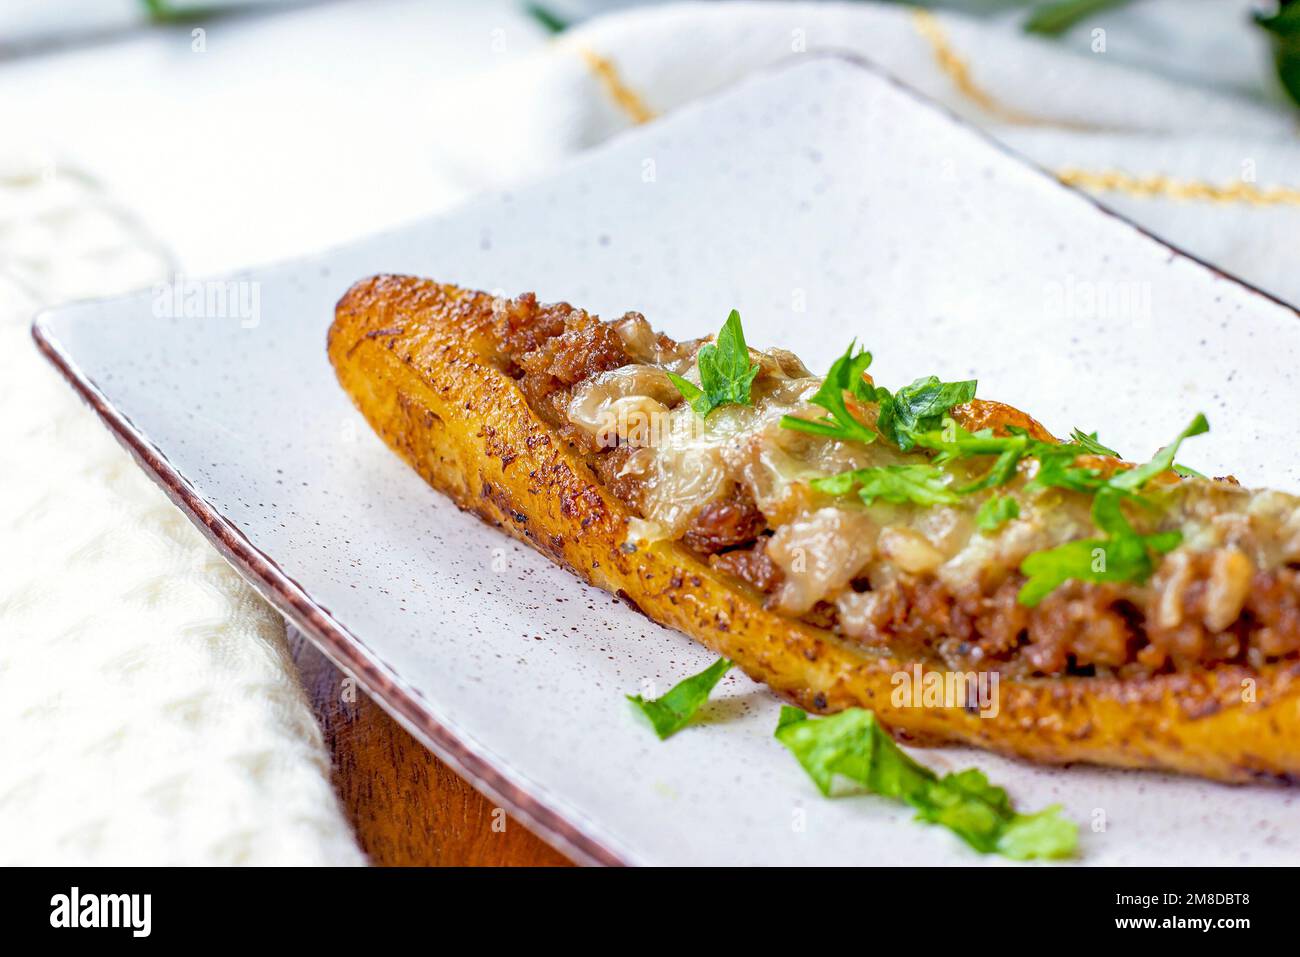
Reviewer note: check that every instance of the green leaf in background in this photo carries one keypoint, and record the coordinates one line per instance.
(1053, 19)
(548, 18)
(726, 373)
(670, 713)
(852, 744)
(158, 9)
(171, 12)
(1057, 16)
(1284, 30)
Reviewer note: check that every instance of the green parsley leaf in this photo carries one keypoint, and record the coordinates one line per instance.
(551, 21)
(789, 715)
(845, 376)
(914, 408)
(1004, 467)
(1283, 27)
(1056, 463)
(897, 484)
(919, 407)
(1133, 479)
(692, 393)
(854, 745)
(167, 11)
(996, 511)
(726, 373)
(671, 712)
(1057, 16)
(1056, 469)
(956, 443)
(1124, 556)
(1088, 442)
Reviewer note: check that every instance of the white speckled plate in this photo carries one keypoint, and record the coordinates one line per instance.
(824, 202)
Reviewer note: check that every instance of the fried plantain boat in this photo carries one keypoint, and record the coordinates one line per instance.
(571, 434)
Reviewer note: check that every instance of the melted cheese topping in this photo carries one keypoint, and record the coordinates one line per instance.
(822, 543)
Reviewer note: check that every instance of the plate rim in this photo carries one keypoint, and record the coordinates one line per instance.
(347, 652)
(403, 703)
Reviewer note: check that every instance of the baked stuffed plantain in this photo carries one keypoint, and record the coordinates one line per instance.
(830, 536)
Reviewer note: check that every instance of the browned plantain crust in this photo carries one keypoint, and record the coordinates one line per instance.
(418, 360)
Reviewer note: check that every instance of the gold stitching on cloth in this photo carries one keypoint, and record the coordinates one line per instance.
(1192, 190)
(626, 98)
(1113, 181)
(951, 62)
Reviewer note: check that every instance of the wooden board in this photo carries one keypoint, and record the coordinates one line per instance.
(406, 806)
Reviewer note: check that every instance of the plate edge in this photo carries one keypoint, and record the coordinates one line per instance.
(338, 644)
(856, 60)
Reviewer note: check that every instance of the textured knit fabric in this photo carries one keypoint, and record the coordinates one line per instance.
(149, 713)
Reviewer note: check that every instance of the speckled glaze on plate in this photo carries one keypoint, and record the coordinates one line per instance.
(824, 202)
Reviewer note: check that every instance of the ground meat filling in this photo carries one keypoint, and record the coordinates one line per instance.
(1082, 628)
(734, 520)
(1200, 609)
(750, 564)
(552, 348)
(611, 466)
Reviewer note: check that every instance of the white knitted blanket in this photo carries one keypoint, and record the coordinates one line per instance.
(149, 713)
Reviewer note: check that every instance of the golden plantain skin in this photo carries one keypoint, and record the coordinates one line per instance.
(415, 356)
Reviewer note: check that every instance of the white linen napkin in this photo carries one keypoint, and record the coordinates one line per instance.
(1170, 115)
(149, 711)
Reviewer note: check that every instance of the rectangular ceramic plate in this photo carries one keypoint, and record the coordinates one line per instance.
(824, 202)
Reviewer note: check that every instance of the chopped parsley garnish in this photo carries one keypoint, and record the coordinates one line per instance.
(852, 744)
(1056, 467)
(671, 712)
(955, 443)
(919, 407)
(897, 484)
(914, 408)
(1004, 466)
(1123, 556)
(1056, 463)
(845, 376)
(1134, 479)
(996, 511)
(1088, 442)
(726, 373)
(915, 417)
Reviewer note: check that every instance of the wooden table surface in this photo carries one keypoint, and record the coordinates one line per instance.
(406, 806)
